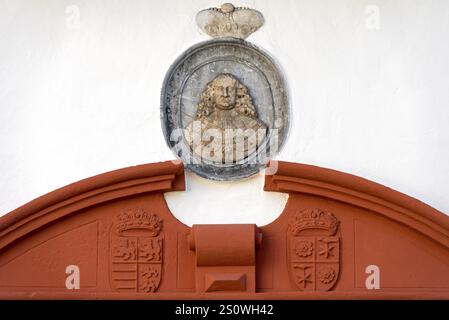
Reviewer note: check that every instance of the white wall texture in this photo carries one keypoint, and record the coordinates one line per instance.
(80, 84)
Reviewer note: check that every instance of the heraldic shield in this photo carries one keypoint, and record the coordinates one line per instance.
(313, 252)
(136, 251)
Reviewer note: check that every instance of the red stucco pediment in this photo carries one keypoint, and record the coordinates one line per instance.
(339, 236)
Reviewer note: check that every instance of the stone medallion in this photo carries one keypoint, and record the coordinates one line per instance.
(224, 107)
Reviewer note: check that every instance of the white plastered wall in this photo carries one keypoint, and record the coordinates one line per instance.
(80, 85)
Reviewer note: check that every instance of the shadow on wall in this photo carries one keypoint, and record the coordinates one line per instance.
(213, 202)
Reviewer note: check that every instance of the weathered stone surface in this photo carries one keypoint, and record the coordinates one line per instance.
(229, 21)
(261, 85)
(227, 117)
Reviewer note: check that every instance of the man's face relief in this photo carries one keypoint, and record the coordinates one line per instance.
(225, 93)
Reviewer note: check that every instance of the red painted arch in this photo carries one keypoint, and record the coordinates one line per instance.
(117, 229)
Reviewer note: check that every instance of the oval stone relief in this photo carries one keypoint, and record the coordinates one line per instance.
(224, 109)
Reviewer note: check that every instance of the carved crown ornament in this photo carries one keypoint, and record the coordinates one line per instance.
(224, 103)
(138, 219)
(229, 21)
(314, 219)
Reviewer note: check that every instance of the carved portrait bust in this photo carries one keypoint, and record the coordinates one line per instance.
(226, 128)
(224, 103)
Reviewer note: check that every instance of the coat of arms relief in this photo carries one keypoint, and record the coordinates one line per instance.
(136, 251)
(313, 243)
